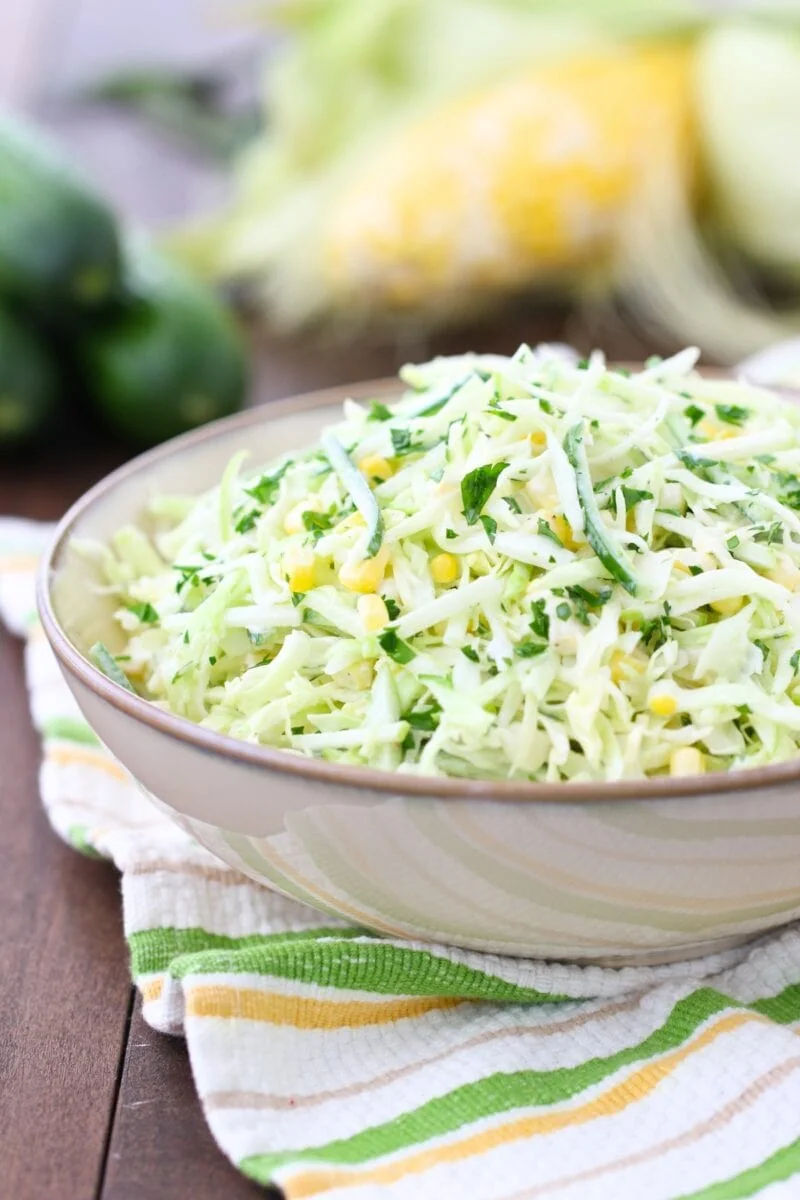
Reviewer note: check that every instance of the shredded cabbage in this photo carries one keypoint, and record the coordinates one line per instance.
(526, 567)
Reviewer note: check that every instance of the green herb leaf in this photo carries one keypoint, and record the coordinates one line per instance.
(496, 411)
(545, 530)
(732, 414)
(794, 661)
(732, 542)
(190, 576)
(490, 526)
(247, 521)
(392, 607)
(317, 523)
(771, 535)
(693, 414)
(426, 719)
(529, 648)
(540, 621)
(633, 496)
(145, 613)
(402, 442)
(450, 534)
(378, 412)
(512, 503)
(267, 487)
(473, 656)
(395, 647)
(477, 487)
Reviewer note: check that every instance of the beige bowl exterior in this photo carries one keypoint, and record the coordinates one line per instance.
(640, 871)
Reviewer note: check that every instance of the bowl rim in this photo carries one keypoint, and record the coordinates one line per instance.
(283, 762)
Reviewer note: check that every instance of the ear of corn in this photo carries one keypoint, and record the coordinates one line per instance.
(531, 178)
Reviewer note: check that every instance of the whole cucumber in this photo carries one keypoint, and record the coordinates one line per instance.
(59, 248)
(29, 385)
(168, 358)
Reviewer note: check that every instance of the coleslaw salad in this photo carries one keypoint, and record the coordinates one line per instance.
(530, 567)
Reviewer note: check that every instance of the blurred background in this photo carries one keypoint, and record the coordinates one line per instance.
(237, 200)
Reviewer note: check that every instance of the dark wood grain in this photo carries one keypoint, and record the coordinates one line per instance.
(64, 984)
(161, 1145)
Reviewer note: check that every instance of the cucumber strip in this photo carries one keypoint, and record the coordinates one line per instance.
(104, 661)
(601, 540)
(431, 406)
(359, 491)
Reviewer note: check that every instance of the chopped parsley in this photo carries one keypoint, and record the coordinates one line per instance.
(693, 414)
(771, 535)
(403, 443)
(247, 521)
(145, 613)
(540, 621)
(546, 530)
(631, 496)
(470, 653)
(378, 412)
(395, 647)
(529, 648)
(477, 487)
(732, 414)
(425, 719)
(490, 526)
(267, 487)
(392, 607)
(317, 523)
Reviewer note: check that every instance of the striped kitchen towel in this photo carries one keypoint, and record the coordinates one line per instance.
(336, 1063)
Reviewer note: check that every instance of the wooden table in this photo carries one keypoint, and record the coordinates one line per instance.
(93, 1102)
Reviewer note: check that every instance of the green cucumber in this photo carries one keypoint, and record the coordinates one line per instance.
(168, 358)
(59, 249)
(29, 385)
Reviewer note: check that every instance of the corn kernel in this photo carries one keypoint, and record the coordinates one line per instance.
(786, 574)
(350, 522)
(562, 529)
(727, 607)
(625, 666)
(293, 521)
(298, 567)
(538, 438)
(365, 576)
(376, 467)
(373, 613)
(663, 705)
(714, 432)
(687, 760)
(444, 568)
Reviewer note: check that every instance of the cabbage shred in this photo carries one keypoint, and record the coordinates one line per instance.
(585, 572)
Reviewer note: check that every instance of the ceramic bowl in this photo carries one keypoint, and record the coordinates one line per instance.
(631, 872)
